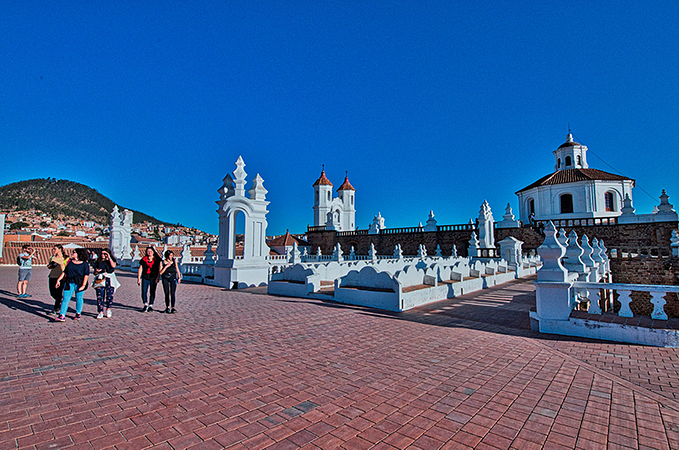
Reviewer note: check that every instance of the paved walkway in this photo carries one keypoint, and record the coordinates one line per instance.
(243, 370)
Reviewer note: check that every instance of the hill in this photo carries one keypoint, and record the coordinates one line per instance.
(62, 199)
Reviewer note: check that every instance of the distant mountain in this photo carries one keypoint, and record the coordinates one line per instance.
(62, 199)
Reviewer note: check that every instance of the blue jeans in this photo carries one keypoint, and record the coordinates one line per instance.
(145, 285)
(69, 290)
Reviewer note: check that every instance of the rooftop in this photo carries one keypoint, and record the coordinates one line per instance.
(574, 175)
(281, 373)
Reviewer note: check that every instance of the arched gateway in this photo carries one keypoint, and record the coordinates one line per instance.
(250, 268)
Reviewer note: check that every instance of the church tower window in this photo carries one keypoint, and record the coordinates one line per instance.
(579, 160)
(558, 163)
(566, 203)
(609, 200)
(568, 161)
(531, 207)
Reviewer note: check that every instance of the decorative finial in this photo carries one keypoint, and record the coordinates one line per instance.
(346, 174)
(322, 167)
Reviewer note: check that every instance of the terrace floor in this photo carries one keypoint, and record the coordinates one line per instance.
(241, 369)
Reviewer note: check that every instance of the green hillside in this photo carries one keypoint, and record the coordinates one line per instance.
(62, 199)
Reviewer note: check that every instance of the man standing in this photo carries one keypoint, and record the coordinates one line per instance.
(25, 269)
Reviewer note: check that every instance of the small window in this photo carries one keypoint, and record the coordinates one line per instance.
(609, 200)
(577, 158)
(558, 163)
(531, 207)
(352, 200)
(328, 195)
(316, 196)
(569, 161)
(566, 204)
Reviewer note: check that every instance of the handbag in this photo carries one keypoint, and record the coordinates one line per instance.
(99, 282)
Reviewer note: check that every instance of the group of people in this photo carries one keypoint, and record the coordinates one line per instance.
(153, 268)
(70, 273)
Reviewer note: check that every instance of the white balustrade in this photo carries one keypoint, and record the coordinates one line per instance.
(624, 290)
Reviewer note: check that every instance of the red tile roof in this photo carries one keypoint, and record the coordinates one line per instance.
(573, 176)
(322, 180)
(346, 186)
(287, 240)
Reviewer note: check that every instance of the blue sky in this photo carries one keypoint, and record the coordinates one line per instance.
(427, 105)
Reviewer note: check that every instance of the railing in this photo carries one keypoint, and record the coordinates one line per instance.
(640, 252)
(488, 253)
(584, 222)
(352, 233)
(402, 230)
(600, 297)
(463, 227)
(309, 228)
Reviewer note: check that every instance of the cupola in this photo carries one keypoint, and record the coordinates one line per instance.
(570, 155)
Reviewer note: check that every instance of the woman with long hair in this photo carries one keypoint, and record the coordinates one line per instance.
(56, 264)
(147, 277)
(74, 277)
(105, 283)
(170, 274)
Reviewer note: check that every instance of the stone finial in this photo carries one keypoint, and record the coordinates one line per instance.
(509, 214)
(573, 259)
(454, 251)
(486, 222)
(305, 253)
(227, 190)
(377, 224)
(398, 252)
(115, 215)
(665, 205)
(674, 243)
(127, 218)
(627, 207)
(296, 255)
(596, 253)
(239, 177)
(551, 252)
(352, 253)
(473, 249)
(257, 191)
(186, 254)
(137, 254)
(563, 239)
(372, 253)
(587, 252)
(421, 251)
(438, 252)
(209, 255)
(318, 252)
(431, 222)
(337, 253)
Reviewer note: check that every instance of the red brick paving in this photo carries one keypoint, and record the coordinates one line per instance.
(243, 370)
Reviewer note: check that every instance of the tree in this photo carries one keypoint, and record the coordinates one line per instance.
(18, 225)
(63, 233)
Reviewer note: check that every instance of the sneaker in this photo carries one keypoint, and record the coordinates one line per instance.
(76, 317)
(173, 311)
(21, 295)
(51, 312)
(27, 295)
(149, 309)
(109, 313)
(145, 308)
(60, 318)
(167, 311)
(100, 315)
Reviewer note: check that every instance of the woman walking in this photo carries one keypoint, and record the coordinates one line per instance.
(56, 265)
(147, 277)
(105, 283)
(170, 274)
(74, 277)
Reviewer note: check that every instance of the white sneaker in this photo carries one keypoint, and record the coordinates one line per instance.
(109, 313)
(100, 315)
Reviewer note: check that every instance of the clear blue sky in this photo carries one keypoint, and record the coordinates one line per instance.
(427, 105)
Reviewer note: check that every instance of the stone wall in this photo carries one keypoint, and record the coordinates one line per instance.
(625, 235)
(385, 242)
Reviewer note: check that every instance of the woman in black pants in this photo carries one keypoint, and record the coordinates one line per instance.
(170, 274)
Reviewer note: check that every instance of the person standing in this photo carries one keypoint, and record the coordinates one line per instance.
(74, 277)
(56, 265)
(147, 277)
(25, 261)
(170, 275)
(105, 283)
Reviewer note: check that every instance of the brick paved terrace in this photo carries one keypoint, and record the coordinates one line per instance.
(243, 370)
